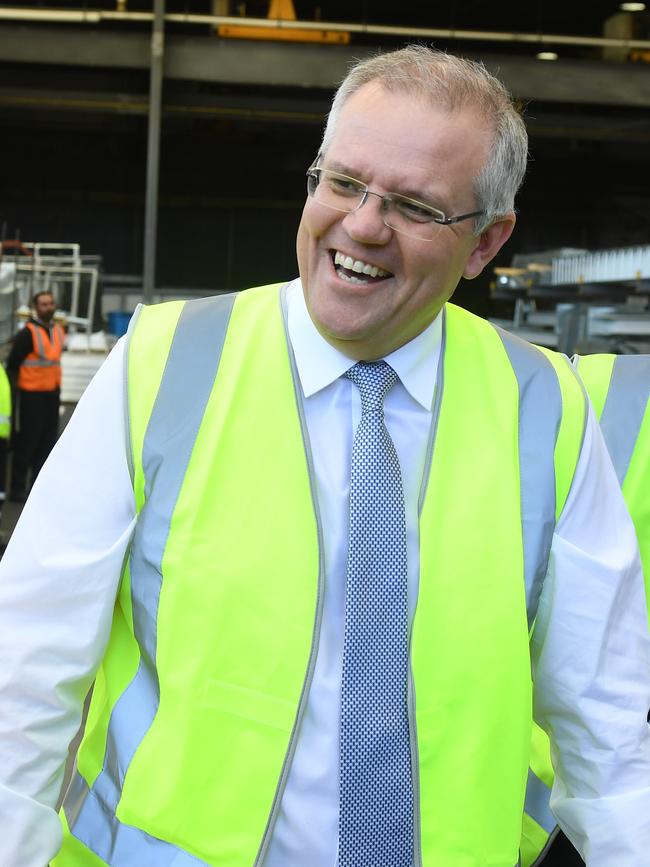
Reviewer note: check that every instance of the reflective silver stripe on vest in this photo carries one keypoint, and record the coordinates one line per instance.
(42, 360)
(40, 347)
(540, 413)
(121, 845)
(536, 805)
(193, 358)
(625, 406)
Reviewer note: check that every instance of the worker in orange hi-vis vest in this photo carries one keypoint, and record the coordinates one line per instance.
(35, 364)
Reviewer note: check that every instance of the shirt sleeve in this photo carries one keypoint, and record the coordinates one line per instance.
(58, 581)
(20, 349)
(591, 669)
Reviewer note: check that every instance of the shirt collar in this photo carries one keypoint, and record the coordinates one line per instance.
(319, 364)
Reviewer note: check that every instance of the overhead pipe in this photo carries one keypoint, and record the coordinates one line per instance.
(96, 16)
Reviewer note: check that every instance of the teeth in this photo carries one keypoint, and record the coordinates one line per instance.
(358, 266)
(350, 279)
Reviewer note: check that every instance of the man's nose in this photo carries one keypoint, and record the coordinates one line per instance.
(366, 224)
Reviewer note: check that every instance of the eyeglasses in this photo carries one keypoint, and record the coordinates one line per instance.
(401, 213)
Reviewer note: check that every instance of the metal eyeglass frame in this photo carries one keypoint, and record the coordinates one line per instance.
(314, 171)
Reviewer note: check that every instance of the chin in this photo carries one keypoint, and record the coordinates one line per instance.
(346, 337)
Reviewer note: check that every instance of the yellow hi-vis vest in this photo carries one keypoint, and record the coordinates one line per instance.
(5, 404)
(619, 389)
(197, 706)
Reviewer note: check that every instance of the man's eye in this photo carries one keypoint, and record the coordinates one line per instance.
(344, 186)
(414, 211)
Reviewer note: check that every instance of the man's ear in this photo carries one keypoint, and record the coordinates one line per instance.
(488, 245)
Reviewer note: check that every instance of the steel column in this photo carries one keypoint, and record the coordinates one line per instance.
(153, 150)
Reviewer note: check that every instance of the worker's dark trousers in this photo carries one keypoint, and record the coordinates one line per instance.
(34, 436)
(562, 854)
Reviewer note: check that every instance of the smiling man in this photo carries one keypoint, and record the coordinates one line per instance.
(376, 278)
(309, 541)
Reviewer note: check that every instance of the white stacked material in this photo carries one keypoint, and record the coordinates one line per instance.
(77, 369)
(99, 341)
(7, 275)
(621, 325)
(7, 292)
(624, 263)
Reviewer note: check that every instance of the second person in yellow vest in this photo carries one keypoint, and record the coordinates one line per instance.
(619, 390)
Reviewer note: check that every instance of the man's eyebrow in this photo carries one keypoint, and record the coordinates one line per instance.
(342, 169)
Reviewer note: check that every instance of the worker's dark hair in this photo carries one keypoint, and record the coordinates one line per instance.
(38, 294)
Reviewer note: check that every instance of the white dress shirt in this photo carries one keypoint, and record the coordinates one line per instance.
(59, 577)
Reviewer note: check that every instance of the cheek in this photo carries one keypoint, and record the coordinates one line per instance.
(430, 279)
(303, 239)
(314, 223)
(317, 221)
(443, 263)
(422, 268)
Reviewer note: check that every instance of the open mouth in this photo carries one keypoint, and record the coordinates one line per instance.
(356, 270)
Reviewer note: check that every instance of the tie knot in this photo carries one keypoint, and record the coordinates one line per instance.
(374, 379)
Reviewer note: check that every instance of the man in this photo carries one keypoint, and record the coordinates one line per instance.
(35, 364)
(619, 389)
(347, 502)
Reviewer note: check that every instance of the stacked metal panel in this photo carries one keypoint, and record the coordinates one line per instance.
(77, 369)
(624, 263)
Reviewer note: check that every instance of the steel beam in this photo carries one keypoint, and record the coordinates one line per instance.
(207, 58)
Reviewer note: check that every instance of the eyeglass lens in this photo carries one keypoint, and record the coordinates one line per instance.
(345, 194)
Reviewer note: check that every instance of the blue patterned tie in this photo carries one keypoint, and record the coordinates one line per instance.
(376, 790)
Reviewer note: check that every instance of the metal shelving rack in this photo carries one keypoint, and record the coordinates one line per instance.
(579, 301)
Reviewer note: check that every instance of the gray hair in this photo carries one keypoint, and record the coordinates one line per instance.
(452, 83)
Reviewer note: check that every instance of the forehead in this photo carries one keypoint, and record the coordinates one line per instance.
(403, 139)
